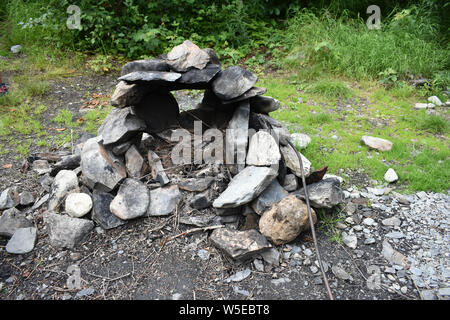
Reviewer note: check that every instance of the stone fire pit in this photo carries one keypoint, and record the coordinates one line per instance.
(224, 166)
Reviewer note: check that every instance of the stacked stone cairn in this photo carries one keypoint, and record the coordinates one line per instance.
(127, 171)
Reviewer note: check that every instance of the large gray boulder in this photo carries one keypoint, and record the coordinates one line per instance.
(239, 245)
(233, 82)
(120, 126)
(245, 186)
(9, 198)
(131, 200)
(163, 201)
(323, 194)
(283, 222)
(11, 220)
(97, 171)
(66, 232)
(263, 150)
(22, 241)
(145, 65)
(187, 56)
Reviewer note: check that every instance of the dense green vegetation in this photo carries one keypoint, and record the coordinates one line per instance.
(311, 36)
(333, 75)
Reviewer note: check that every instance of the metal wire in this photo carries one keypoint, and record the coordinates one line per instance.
(311, 222)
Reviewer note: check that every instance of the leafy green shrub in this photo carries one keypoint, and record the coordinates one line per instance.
(141, 28)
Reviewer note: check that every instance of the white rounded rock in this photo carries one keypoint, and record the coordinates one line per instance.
(300, 140)
(78, 204)
(390, 175)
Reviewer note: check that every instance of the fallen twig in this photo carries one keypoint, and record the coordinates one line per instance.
(194, 230)
(109, 279)
(311, 222)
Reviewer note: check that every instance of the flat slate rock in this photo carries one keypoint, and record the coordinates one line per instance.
(9, 198)
(145, 65)
(270, 196)
(323, 194)
(163, 201)
(97, 171)
(196, 184)
(377, 143)
(22, 241)
(187, 56)
(198, 220)
(236, 139)
(201, 200)
(66, 232)
(11, 220)
(198, 79)
(245, 186)
(263, 150)
(148, 77)
(131, 201)
(156, 168)
(41, 166)
(254, 92)
(101, 212)
(135, 163)
(120, 126)
(233, 82)
(26, 198)
(128, 94)
(264, 104)
(239, 245)
(290, 182)
(69, 162)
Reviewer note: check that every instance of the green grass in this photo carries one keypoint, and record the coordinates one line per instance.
(94, 118)
(434, 124)
(407, 44)
(64, 118)
(420, 155)
(328, 224)
(331, 89)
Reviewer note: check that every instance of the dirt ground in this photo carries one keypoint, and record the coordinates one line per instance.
(134, 262)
